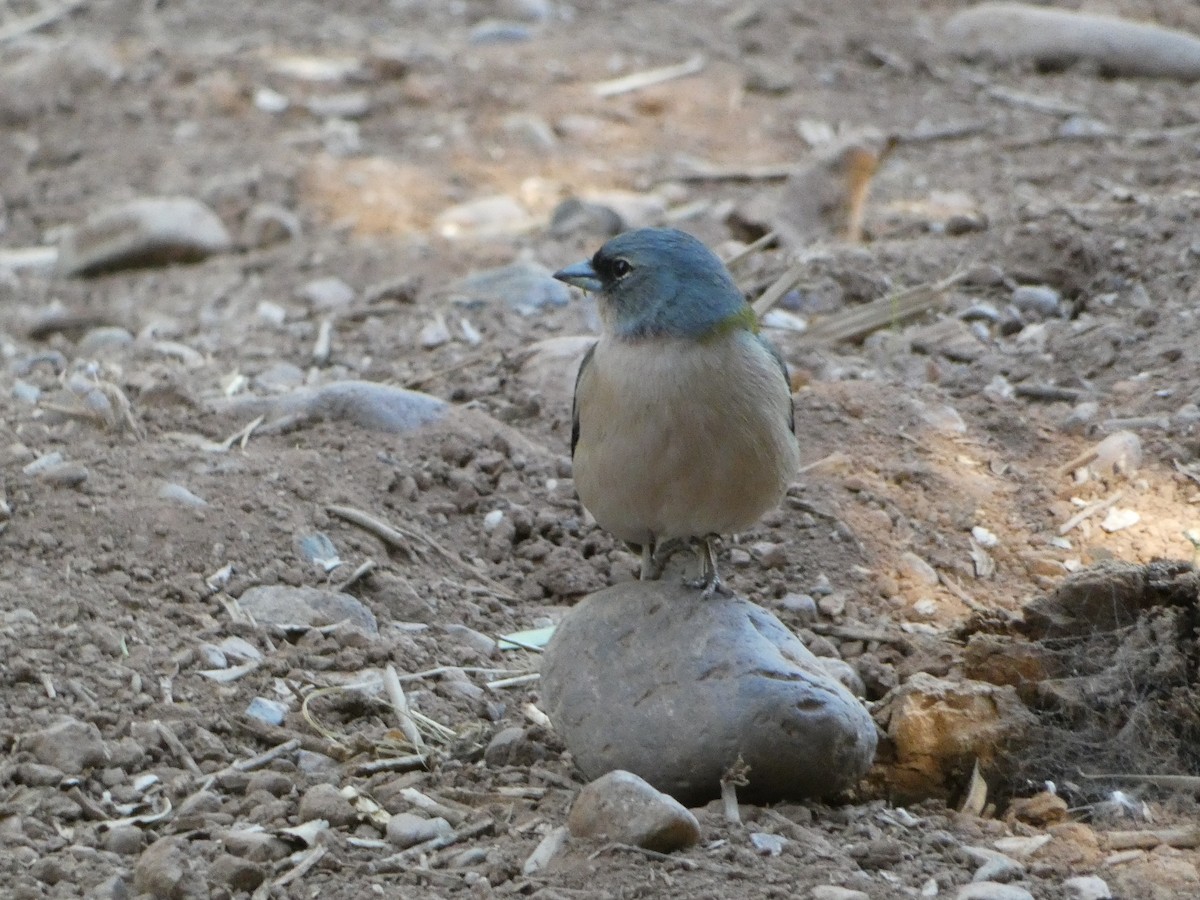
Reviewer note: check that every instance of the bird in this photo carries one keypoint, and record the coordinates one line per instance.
(682, 424)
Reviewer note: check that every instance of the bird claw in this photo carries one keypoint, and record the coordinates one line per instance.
(709, 586)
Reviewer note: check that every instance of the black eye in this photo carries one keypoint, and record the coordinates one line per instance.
(620, 268)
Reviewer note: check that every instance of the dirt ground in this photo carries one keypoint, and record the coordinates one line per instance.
(368, 121)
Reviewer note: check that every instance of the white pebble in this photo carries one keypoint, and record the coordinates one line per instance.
(984, 538)
(435, 334)
(493, 519)
(1118, 519)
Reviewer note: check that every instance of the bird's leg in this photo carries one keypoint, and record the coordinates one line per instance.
(648, 572)
(709, 581)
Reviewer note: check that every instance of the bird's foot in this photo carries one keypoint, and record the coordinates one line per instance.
(709, 582)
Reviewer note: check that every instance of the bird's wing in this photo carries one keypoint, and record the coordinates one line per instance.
(774, 351)
(587, 359)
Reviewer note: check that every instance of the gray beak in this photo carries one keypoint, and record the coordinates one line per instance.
(582, 275)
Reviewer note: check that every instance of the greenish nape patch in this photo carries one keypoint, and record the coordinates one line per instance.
(742, 320)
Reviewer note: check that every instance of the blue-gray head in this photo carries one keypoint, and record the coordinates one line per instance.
(661, 282)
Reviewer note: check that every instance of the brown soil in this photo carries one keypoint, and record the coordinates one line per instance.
(912, 440)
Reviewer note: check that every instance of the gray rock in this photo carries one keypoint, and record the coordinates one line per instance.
(837, 892)
(279, 604)
(654, 678)
(277, 784)
(512, 747)
(1037, 299)
(407, 829)
(582, 217)
(153, 231)
(37, 775)
(270, 711)
(845, 673)
(365, 404)
(326, 294)
(267, 224)
(992, 890)
(105, 341)
(113, 888)
(69, 745)
(323, 801)
(766, 843)
(525, 286)
(1087, 887)
(548, 848)
(238, 873)
(125, 840)
(259, 846)
(622, 807)
(162, 869)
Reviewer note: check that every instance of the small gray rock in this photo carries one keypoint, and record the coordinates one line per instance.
(280, 604)
(1087, 887)
(408, 829)
(125, 840)
(270, 711)
(69, 745)
(37, 775)
(267, 224)
(162, 870)
(992, 890)
(837, 892)
(365, 404)
(153, 231)
(327, 294)
(512, 747)
(106, 341)
(525, 286)
(323, 801)
(582, 217)
(622, 807)
(657, 679)
(1037, 299)
(766, 843)
(259, 846)
(276, 784)
(237, 872)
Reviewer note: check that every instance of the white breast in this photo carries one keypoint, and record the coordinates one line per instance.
(682, 439)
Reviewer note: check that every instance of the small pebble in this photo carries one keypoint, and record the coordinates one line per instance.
(270, 711)
(983, 537)
(177, 493)
(767, 844)
(803, 606)
(327, 294)
(1118, 519)
(435, 333)
(324, 801)
(623, 808)
(492, 520)
(992, 890)
(836, 892)
(1087, 887)
(1038, 299)
(406, 829)
(548, 848)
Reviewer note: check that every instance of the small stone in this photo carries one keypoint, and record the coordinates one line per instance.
(739, 558)
(177, 493)
(833, 605)
(991, 890)
(576, 217)
(259, 846)
(147, 232)
(767, 844)
(1037, 299)
(822, 586)
(365, 404)
(1021, 847)
(802, 606)
(766, 77)
(476, 640)
(103, 342)
(532, 131)
(407, 829)
(270, 711)
(162, 869)
(492, 520)
(311, 763)
(993, 865)
(654, 678)
(112, 888)
(1087, 887)
(1043, 808)
(279, 604)
(434, 334)
(495, 31)
(488, 217)
(344, 105)
(276, 784)
(1120, 452)
(526, 287)
(1080, 416)
(465, 859)
(267, 224)
(70, 745)
(1120, 518)
(836, 892)
(323, 801)
(125, 840)
(327, 294)
(912, 566)
(548, 848)
(37, 775)
(770, 555)
(512, 747)
(64, 475)
(623, 808)
(238, 873)
(984, 538)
